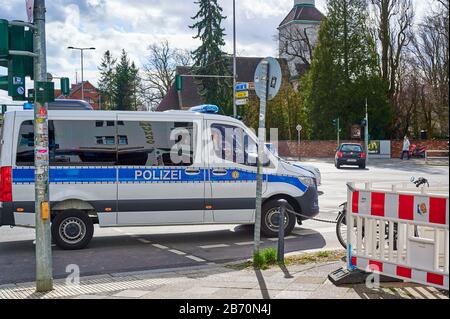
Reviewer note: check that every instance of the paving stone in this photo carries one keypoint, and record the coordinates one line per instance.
(258, 294)
(292, 294)
(229, 293)
(90, 297)
(131, 293)
(309, 280)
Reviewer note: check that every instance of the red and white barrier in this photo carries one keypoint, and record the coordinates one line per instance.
(401, 234)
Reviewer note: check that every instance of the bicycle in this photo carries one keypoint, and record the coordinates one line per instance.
(341, 225)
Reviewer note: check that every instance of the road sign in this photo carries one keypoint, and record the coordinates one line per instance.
(242, 87)
(241, 94)
(274, 79)
(299, 127)
(242, 102)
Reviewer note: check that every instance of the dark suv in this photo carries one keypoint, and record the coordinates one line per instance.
(350, 154)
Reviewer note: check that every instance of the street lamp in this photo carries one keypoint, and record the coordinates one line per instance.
(82, 67)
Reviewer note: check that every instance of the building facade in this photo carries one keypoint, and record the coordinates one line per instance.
(91, 94)
(298, 35)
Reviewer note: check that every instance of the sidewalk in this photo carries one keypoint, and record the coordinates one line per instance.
(223, 282)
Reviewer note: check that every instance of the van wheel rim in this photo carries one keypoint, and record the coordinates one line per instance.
(72, 230)
(272, 219)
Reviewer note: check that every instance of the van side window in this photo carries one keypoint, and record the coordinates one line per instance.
(233, 144)
(71, 143)
(156, 143)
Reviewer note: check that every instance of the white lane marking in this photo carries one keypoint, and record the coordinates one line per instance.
(325, 230)
(177, 252)
(118, 230)
(195, 258)
(160, 246)
(243, 243)
(214, 246)
(145, 241)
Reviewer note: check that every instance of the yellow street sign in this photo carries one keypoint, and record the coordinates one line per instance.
(242, 94)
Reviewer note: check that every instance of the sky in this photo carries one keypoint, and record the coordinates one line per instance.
(136, 24)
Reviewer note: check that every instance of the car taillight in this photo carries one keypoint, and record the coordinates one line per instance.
(5, 184)
(363, 155)
(340, 154)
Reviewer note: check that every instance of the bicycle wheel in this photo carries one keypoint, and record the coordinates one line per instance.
(341, 230)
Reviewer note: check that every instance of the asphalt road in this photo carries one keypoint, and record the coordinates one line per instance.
(115, 250)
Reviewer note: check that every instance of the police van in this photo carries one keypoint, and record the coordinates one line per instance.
(144, 169)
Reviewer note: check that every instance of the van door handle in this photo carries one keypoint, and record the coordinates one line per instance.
(192, 171)
(219, 172)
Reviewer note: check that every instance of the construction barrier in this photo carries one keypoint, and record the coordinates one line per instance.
(400, 233)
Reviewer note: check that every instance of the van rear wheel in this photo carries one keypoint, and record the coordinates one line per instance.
(270, 219)
(72, 230)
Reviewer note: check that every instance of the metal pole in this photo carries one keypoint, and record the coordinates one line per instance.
(366, 133)
(44, 280)
(82, 76)
(234, 60)
(298, 146)
(338, 131)
(280, 254)
(261, 141)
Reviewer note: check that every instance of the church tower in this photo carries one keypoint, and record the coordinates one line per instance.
(297, 35)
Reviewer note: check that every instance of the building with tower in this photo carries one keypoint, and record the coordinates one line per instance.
(297, 35)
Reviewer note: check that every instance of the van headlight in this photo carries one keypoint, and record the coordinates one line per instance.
(307, 181)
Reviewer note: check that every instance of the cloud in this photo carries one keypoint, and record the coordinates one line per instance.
(135, 24)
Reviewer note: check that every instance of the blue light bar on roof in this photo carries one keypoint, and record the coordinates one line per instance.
(28, 106)
(205, 108)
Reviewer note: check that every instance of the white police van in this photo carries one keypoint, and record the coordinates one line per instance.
(145, 168)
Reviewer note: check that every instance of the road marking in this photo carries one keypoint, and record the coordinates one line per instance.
(145, 241)
(325, 230)
(195, 258)
(118, 230)
(160, 246)
(243, 243)
(177, 252)
(214, 246)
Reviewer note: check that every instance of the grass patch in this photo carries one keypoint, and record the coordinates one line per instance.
(268, 257)
(320, 257)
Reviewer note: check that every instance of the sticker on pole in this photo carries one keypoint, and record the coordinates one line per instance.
(273, 76)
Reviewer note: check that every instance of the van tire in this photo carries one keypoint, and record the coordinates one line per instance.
(270, 216)
(72, 230)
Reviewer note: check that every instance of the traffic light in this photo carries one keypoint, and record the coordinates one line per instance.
(364, 123)
(14, 37)
(334, 122)
(4, 42)
(178, 82)
(65, 86)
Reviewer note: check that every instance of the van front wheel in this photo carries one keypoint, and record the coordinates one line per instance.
(72, 230)
(270, 219)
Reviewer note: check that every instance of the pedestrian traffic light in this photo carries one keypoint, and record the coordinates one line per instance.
(65, 86)
(334, 122)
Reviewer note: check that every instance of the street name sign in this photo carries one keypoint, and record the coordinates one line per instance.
(242, 102)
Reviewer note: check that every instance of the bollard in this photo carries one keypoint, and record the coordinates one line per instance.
(280, 252)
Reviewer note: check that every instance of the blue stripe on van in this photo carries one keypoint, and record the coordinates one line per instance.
(145, 175)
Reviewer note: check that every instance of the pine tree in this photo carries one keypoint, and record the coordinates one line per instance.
(126, 83)
(106, 82)
(343, 73)
(209, 58)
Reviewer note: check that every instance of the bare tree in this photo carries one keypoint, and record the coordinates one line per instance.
(160, 70)
(431, 50)
(296, 43)
(393, 30)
